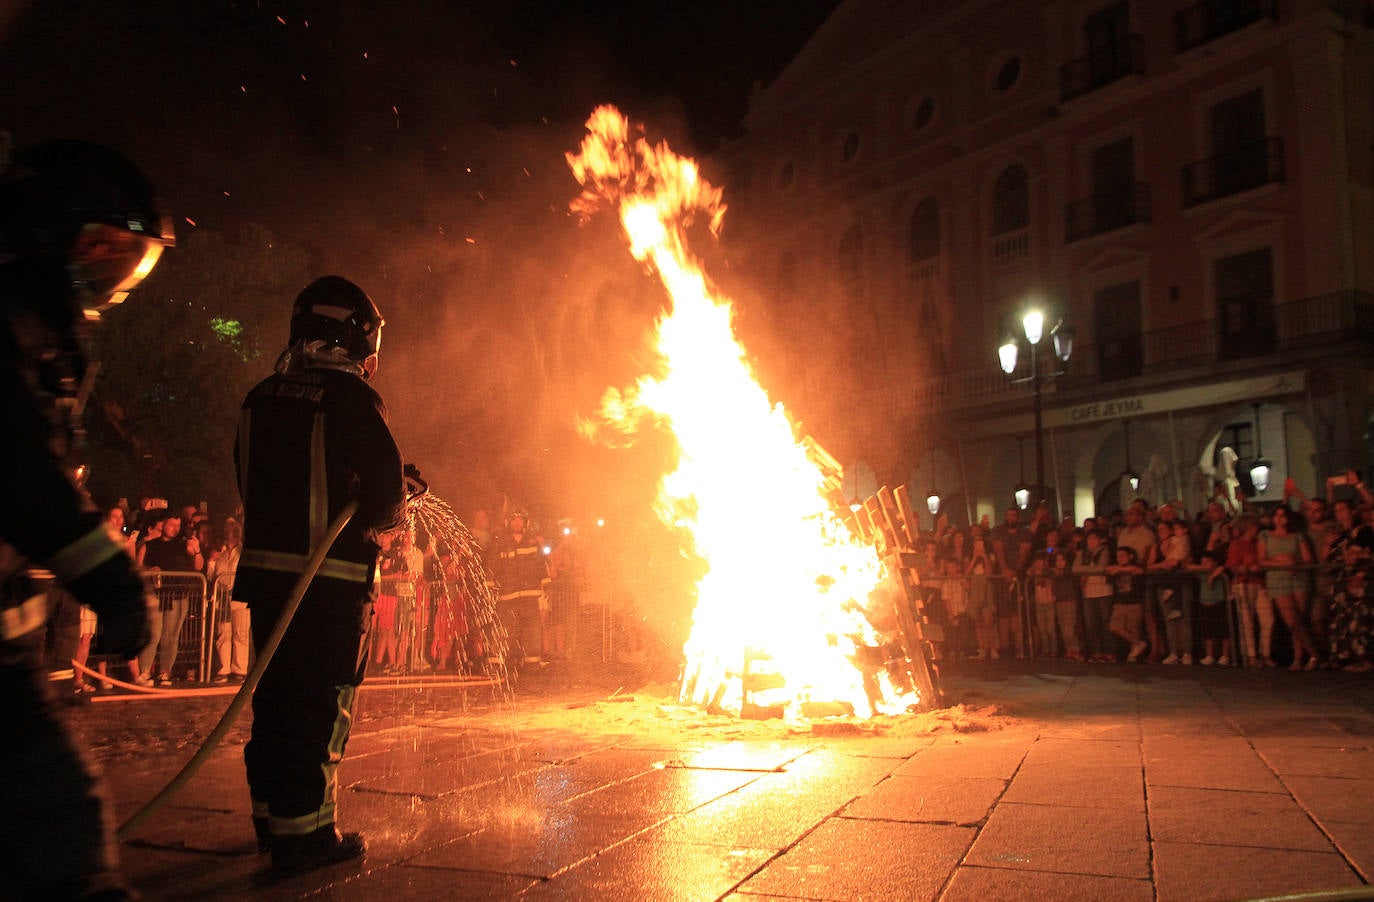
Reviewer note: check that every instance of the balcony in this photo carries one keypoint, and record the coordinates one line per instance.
(1312, 328)
(1234, 171)
(1211, 19)
(1111, 62)
(1107, 211)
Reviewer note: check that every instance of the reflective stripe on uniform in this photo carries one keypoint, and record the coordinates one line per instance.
(324, 815)
(319, 482)
(286, 562)
(84, 555)
(27, 617)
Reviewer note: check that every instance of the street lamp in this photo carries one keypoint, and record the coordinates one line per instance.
(1259, 470)
(1130, 475)
(1022, 491)
(933, 496)
(1033, 328)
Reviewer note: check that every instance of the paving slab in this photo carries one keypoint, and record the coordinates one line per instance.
(1220, 763)
(1107, 842)
(648, 869)
(1197, 872)
(929, 799)
(1262, 819)
(995, 761)
(1080, 786)
(858, 859)
(1067, 752)
(1317, 761)
(981, 884)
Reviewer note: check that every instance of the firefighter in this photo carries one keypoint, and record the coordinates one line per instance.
(522, 573)
(311, 437)
(79, 228)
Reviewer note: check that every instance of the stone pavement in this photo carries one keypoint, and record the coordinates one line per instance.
(1086, 782)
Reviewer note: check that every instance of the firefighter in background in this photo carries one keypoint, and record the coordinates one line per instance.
(311, 437)
(517, 564)
(79, 228)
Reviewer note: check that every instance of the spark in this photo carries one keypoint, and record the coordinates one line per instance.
(191, 222)
(281, 20)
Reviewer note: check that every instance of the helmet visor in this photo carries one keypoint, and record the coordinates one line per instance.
(107, 262)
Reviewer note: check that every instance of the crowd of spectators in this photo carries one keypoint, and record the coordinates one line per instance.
(1156, 585)
(423, 620)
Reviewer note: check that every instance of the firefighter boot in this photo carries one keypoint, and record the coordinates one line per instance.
(264, 835)
(325, 846)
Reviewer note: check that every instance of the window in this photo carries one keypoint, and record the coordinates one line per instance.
(1237, 133)
(1245, 304)
(1116, 311)
(1113, 173)
(1010, 200)
(925, 230)
(1105, 32)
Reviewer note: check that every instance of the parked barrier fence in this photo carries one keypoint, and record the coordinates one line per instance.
(183, 605)
(1248, 619)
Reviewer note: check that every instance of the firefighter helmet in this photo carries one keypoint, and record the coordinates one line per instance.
(334, 322)
(86, 212)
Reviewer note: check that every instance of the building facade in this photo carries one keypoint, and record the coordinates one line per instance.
(1189, 187)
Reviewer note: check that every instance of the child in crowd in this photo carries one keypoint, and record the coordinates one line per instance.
(980, 605)
(1091, 565)
(1064, 586)
(956, 597)
(1213, 625)
(1127, 609)
(1042, 592)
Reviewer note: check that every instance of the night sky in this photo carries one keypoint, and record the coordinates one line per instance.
(237, 108)
(417, 147)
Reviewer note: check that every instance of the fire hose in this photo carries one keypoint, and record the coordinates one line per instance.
(293, 601)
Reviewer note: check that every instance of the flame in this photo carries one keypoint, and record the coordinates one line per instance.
(787, 582)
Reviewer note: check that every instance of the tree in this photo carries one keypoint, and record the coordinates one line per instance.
(177, 359)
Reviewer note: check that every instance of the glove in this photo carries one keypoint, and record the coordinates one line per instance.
(124, 633)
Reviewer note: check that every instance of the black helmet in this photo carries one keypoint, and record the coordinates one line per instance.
(335, 320)
(90, 211)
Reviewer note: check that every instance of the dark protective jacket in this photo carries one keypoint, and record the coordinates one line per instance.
(308, 442)
(43, 515)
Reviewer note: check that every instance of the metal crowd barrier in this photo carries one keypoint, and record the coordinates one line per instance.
(195, 644)
(1018, 595)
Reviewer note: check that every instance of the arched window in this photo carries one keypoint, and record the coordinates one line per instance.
(1010, 200)
(925, 230)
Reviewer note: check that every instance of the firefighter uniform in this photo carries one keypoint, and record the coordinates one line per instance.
(521, 572)
(310, 440)
(55, 827)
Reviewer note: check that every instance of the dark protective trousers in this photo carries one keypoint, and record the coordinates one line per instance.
(303, 707)
(57, 835)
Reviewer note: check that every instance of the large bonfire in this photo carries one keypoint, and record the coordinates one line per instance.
(780, 617)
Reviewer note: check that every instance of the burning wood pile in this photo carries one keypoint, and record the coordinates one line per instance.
(804, 610)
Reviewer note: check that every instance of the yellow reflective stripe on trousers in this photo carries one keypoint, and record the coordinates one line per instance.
(324, 815)
(286, 562)
(319, 482)
(27, 617)
(84, 555)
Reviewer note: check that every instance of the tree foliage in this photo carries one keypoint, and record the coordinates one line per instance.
(177, 358)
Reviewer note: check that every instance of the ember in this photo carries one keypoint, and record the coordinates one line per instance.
(780, 623)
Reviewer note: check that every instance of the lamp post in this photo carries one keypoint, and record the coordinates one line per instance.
(1261, 467)
(1033, 329)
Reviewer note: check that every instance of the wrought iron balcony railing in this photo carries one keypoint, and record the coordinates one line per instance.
(1102, 66)
(1106, 211)
(1315, 324)
(1209, 20)
(1233, 171)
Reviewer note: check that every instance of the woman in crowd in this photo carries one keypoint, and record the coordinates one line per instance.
(1280, 549)
(1091, 567)
(1352, 606)
(1247, 588)
(981, 608)
(1170, 555)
